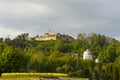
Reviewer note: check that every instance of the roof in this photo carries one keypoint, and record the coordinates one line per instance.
(87, 52)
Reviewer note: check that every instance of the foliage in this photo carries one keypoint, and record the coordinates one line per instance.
(21, 55)
(11, 60)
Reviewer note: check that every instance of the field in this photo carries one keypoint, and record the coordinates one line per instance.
(37, 76)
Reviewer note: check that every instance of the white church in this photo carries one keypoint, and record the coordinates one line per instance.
(87, 55)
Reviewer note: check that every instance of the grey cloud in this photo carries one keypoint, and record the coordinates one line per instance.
(65, 16)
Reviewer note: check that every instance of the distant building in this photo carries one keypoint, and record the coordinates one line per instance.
(87, 55)
(50, 36)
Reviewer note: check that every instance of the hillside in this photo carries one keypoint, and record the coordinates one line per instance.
(21, 55)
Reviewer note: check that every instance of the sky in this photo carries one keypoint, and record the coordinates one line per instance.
(71, 17)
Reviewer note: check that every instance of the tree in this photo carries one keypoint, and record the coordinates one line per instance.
(59, 45)
(67, 68)
(23, 36)
(109, 54)
(8, 41)
(115, 72)
(55, 55)
(81, 36)
(11, 59)
(36, 60)
(1, 40)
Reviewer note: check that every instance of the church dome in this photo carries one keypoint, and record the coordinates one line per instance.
(87, 54)
(97, 60)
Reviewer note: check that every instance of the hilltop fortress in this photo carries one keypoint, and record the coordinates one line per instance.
(52, 36)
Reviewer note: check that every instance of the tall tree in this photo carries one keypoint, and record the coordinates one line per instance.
(11, 59)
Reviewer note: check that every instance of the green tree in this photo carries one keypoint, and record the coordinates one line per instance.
(1, 40)
(55, 55)
(108, 55)
(66, 68)
(36, 60)
(11, 59)
(81, 36)
(115, 72)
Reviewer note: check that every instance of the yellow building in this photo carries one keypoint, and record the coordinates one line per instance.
(50, 36)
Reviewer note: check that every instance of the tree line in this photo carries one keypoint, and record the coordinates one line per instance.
(21, 55)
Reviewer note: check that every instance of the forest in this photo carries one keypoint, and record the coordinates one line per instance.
(21, 55)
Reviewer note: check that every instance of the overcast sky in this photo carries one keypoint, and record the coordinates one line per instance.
(65, 16)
